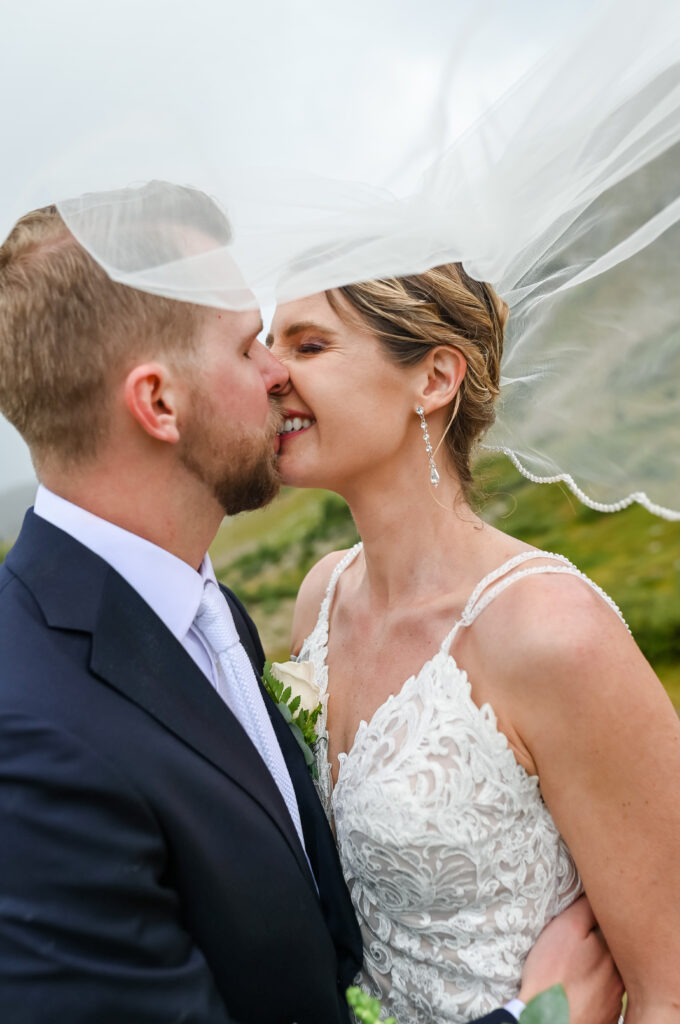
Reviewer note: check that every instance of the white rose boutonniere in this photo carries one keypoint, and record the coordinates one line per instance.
(292, 688)
(299, 676)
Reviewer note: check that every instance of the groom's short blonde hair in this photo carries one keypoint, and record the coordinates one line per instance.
(68, 333)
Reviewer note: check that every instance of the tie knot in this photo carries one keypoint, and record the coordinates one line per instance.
(214, 619)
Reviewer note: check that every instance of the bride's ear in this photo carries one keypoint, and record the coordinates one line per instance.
(445, 368)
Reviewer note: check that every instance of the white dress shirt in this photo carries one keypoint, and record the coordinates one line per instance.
(515, 1007)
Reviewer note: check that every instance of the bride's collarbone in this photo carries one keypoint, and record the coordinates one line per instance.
(386, 653)
(386, 648)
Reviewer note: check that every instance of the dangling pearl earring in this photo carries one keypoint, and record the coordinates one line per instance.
(434, 475)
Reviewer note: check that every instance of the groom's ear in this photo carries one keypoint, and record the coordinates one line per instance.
(152, 400)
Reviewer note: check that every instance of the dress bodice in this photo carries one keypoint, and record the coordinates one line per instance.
(452, 859)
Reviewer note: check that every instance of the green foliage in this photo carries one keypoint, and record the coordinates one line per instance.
(549, 1007)
(366, 1009)
(301, 721)
(252, 562)
(271, 570)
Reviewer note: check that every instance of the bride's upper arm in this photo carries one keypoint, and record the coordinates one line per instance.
(310, 595)
(606, 741)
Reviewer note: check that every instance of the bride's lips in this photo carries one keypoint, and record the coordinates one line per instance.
(294, 419)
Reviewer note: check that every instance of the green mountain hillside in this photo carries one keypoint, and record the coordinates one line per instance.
(634, 556)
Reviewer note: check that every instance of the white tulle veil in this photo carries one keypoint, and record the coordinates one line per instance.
(561, 188)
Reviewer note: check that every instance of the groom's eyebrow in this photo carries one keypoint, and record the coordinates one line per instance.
(298, 328)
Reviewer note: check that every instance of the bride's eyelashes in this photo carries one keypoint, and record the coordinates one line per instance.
(310, 347)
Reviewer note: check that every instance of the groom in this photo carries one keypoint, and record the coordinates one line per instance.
(163, 856)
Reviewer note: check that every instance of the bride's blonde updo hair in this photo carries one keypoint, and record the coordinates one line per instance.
(443, 306)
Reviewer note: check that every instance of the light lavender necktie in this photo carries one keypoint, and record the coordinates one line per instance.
(239, 689)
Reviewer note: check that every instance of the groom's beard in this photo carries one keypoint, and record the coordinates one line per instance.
(240, 467)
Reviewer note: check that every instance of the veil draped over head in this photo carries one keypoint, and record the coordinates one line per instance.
(325, 148)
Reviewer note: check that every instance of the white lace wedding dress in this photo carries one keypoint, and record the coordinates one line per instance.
(452, 859)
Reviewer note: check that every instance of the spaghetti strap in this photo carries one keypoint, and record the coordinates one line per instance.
(495, 582)
(344, 562)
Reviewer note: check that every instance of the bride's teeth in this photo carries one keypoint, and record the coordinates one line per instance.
(296, 423)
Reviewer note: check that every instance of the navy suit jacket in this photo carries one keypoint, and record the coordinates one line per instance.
(149, 869)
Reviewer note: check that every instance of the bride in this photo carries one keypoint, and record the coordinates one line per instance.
(493, 742)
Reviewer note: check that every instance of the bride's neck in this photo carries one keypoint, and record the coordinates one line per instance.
(418, 541)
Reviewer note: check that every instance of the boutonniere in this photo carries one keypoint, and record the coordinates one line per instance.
(292, 688)
(366, 1008)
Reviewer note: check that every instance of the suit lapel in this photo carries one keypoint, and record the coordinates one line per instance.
(134, 652)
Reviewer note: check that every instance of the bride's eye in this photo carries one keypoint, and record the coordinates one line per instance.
(307, 347)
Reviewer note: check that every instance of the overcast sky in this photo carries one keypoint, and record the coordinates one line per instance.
(100, 95)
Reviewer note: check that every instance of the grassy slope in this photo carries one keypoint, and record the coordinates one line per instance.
(632, 555)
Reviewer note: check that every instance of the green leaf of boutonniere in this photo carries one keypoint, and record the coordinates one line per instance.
(300, 720)
(549, 1007)
(366, 1008)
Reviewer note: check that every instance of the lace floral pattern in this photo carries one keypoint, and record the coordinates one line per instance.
(452, 859)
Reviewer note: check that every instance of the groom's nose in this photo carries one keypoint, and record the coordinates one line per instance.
(277, 378)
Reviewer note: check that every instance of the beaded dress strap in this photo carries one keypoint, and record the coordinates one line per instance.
(346, 560)
(488, 589)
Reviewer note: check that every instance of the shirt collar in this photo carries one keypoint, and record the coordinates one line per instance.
(170, 586)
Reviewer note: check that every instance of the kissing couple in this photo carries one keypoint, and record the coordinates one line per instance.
(165, 855)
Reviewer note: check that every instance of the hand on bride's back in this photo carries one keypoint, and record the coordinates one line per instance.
(572, 951)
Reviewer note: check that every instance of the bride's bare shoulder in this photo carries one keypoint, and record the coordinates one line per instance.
(310, 595)
(557, 627)
(553, 655)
